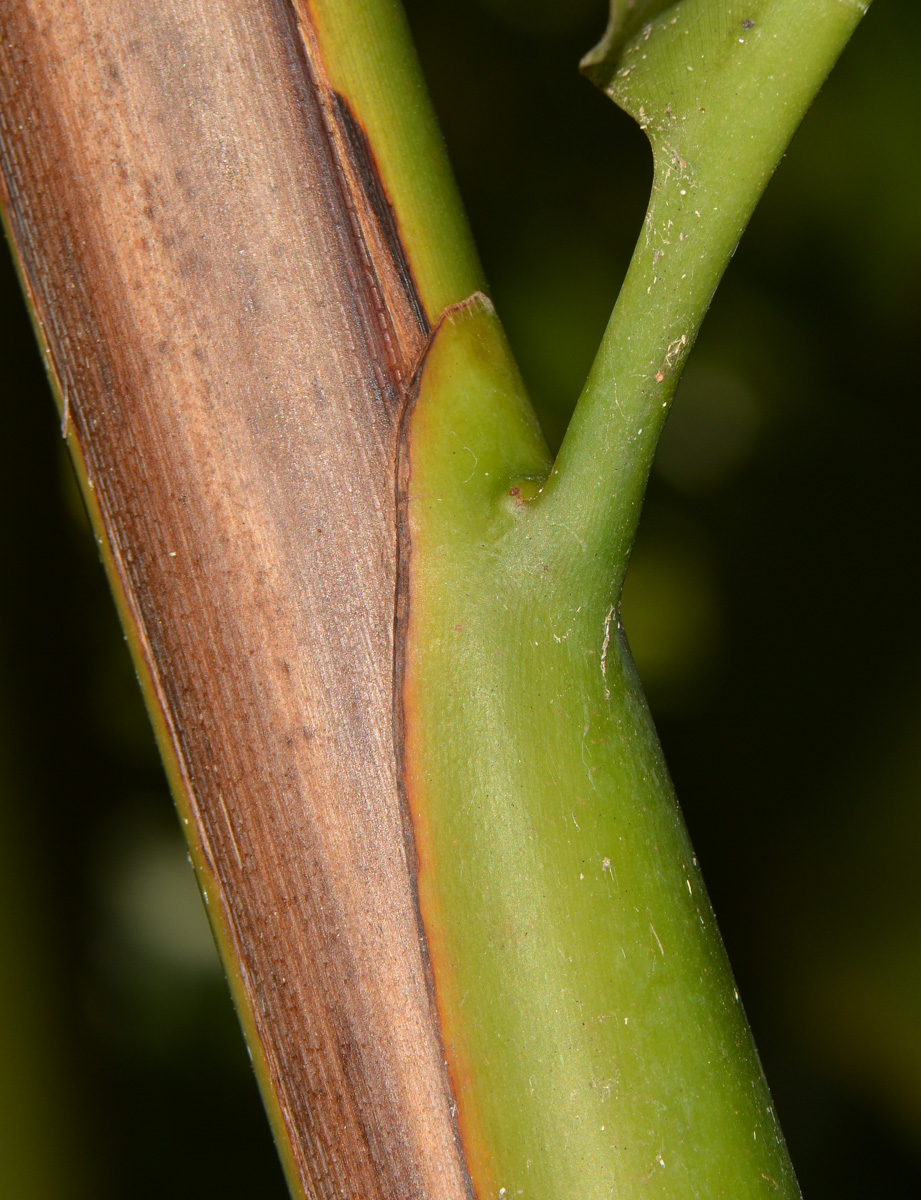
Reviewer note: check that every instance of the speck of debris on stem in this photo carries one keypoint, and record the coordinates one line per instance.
(748, 23)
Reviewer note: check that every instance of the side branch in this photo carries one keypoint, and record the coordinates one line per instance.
(720, 90)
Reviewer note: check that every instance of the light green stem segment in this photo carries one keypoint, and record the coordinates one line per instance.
(369, 58)
(595, 1040)
(594, 1036)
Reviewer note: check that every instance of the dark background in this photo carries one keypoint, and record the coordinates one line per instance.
(772, 604)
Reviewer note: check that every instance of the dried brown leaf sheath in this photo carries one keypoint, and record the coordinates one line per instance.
(229, 319)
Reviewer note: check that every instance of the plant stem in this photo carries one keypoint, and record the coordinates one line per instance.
(720, 88)
(220, 283)
(368, 56)
(594, 1035)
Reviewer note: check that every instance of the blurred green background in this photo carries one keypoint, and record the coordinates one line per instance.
(773, 607)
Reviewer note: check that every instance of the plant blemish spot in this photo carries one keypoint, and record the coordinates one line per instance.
(604, 649)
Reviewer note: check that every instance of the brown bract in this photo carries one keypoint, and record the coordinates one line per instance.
(229, 318)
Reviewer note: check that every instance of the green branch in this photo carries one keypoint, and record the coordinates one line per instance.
(720, 87)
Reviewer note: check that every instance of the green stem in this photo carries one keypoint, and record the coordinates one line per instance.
(369, 57)
(593, 1034)
(720, 87)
